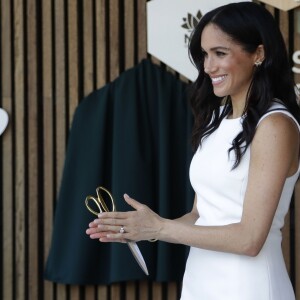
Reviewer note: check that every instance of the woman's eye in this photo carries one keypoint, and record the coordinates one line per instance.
(220, 53)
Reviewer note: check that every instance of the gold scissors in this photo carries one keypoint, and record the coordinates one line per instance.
(102, 207)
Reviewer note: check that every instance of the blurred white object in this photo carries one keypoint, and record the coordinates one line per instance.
(169, 26)
(3, 120)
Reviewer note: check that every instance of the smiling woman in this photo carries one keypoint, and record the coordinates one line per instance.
(228, 65)
(245, 165)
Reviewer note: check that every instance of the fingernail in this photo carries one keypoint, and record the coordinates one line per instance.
(125, 195)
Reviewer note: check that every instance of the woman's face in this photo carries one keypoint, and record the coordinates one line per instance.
(227, 64)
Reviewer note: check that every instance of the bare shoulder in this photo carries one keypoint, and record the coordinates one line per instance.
(276, 143)
(278, 125)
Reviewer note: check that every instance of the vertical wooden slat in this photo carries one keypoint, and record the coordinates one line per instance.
(172, 291)
(155, 60)
(297, 42)
(48, 142)
(115, 290)
(72, 57)
(61, 292)
(88, 78)
(114, 38)
(142, 29)
(19, 172)
(143, 290)
(73, 85)
(32, 121)
(7, 152)
(75, 292)
(90, 292)
(102, 292)
(157, 291)
(129, 33)
(100, 43)
(130, 290)
(88, 47)
(60, 104)
(284, 26)
(60, 89)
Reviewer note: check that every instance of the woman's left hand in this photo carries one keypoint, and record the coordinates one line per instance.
(141, 224)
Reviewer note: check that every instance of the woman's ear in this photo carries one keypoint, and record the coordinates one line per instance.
(259, 55)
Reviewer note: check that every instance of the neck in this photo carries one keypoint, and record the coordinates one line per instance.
(238, 107)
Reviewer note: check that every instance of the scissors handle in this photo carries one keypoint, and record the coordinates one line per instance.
(91, 198)
(102, 201)
(99, 201)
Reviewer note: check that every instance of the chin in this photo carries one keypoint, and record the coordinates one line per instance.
(220, 94)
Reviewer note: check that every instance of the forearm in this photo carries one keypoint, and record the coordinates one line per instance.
(231, 238)
(246, 237)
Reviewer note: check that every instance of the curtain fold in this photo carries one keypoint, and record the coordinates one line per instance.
(131, 136)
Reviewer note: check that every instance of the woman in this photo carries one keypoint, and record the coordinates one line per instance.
(245, 166)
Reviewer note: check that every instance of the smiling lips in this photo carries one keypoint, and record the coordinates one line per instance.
(217, 80)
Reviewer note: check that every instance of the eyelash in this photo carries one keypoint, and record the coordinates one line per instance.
(218, 53)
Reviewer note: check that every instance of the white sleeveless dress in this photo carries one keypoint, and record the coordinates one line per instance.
(213, 275)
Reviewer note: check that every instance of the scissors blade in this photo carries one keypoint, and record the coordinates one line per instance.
(138, 256)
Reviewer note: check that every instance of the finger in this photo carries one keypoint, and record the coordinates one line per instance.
(112, 235)
(100, 229)
(133, 203)
(93, 227)
(113, 215)
(111, 228)
(99, 235)
(93, 230)
(115, 222)
(93, 224)
(109, 236)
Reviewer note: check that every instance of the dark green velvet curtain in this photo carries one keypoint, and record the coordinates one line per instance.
(131, 136)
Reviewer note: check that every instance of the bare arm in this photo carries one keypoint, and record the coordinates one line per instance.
(274, 157)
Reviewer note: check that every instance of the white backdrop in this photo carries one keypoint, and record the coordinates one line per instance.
(169, 25)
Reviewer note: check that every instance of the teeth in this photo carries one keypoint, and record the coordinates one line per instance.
(218, 79)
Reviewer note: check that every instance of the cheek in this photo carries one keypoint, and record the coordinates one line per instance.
(242, 72)
(229, 66)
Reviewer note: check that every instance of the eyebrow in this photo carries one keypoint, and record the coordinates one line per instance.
(217, 48)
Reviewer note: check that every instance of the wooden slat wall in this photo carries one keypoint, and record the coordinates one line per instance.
(52, 54)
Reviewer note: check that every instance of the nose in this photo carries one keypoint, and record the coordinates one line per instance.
(209, 65)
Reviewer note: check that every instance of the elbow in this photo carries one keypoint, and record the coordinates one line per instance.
(252, 251)
(251, 240)
(251, 248)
